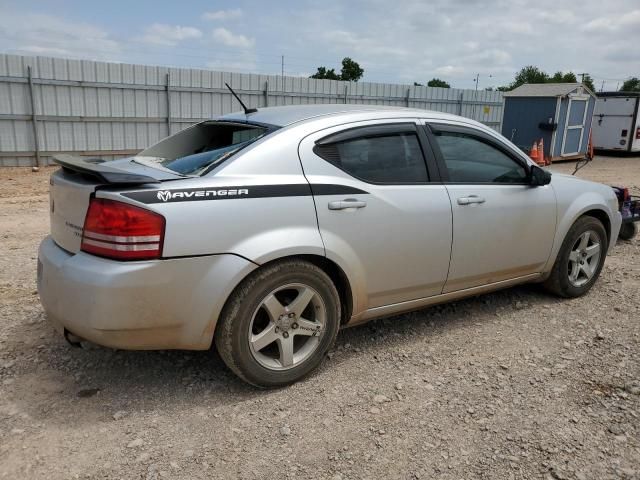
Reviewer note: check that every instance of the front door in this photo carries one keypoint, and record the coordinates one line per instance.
(502, 227)
(379, 215)
(574, 127)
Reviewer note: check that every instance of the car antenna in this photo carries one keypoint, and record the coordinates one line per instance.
(247, 111)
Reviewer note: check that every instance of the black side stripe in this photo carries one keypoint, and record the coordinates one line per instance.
(238, 192)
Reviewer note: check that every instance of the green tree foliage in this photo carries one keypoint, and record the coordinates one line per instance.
(560, 77)
(326, 74)
(588, 81)
(531, 74)
(436, 82)
(631, 85)
(351, 72)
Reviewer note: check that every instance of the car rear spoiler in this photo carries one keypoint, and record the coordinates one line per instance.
(100, 170)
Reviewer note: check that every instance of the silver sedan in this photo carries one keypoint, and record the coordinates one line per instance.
(265, 232)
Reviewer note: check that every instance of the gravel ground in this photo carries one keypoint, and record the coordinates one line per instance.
(512, 385)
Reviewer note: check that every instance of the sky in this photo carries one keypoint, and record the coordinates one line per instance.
(402, 41)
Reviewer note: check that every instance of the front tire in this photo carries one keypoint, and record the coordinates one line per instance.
(580, 259)
(279, 323)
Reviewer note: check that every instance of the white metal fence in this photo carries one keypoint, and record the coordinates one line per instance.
(51, 105)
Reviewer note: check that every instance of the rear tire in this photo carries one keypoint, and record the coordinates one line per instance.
(279, 323)
(580, 259)
(628, 231)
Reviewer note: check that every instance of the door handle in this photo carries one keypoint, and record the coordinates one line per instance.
(347, 203)
(470, 199)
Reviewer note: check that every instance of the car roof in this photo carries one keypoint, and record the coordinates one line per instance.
(287, 115)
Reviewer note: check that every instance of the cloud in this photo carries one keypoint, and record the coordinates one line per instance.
(224, 36)
(450, 39)
(38, 50)
(169, 35)
(222, 14)
(559, 17)
(42, 34)
(449, 70)
(614, 23)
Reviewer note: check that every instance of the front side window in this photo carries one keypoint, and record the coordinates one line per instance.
(471, 160)
(387, 159)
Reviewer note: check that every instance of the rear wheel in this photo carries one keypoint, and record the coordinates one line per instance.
(580, 259)
(279, 323)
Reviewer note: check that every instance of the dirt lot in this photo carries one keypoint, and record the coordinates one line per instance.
(512, 385)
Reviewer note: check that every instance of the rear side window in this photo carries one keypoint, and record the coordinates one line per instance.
(198, 149)
(381, 158)
(470, 160)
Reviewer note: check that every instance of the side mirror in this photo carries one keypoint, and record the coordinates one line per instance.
(539, 176)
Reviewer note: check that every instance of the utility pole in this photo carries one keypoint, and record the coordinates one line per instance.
(582, 76)
(602, 87)
(475, 96)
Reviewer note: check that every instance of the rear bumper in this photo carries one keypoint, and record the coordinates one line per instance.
(160, 304)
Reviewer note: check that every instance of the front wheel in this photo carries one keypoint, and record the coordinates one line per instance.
(279, 323)
(580, 259)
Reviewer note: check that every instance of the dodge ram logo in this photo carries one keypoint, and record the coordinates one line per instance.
(164, 195)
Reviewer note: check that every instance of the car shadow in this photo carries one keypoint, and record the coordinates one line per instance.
(106, 381)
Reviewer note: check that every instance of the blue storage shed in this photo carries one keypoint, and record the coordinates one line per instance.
(559, 113)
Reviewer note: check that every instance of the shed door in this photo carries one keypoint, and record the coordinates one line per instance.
(574, 128)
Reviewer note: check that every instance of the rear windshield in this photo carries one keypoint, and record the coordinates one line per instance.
(199, 149)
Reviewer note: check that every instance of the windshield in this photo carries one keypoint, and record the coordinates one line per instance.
(197, 150)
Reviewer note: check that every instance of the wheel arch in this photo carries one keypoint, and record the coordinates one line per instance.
(601, 215)
(332, 269)
(566, 222)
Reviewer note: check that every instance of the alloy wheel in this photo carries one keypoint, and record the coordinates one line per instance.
(287, 326)
(584, 258)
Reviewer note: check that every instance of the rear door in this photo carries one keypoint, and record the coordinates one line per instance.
(613, 127)
(379, 214)
(502, 227)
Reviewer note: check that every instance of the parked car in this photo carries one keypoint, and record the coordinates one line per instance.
(267, 232)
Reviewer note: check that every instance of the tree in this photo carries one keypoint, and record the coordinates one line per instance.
(631, 85)
(588, 81)
(351, 72)
(560, 77)
(323, 73)
(529, 74)
(436, 82)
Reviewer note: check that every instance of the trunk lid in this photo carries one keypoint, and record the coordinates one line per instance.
(71, 188)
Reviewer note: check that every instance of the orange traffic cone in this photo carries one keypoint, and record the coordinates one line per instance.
(542, 161)
(534, 152)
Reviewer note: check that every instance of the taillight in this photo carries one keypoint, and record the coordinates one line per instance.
(626, 196)
(638, 133)
(121, 231)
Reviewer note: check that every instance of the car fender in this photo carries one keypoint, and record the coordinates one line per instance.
(348, 260)
(571, 207)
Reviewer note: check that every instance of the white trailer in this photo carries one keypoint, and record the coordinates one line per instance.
(616, 122)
